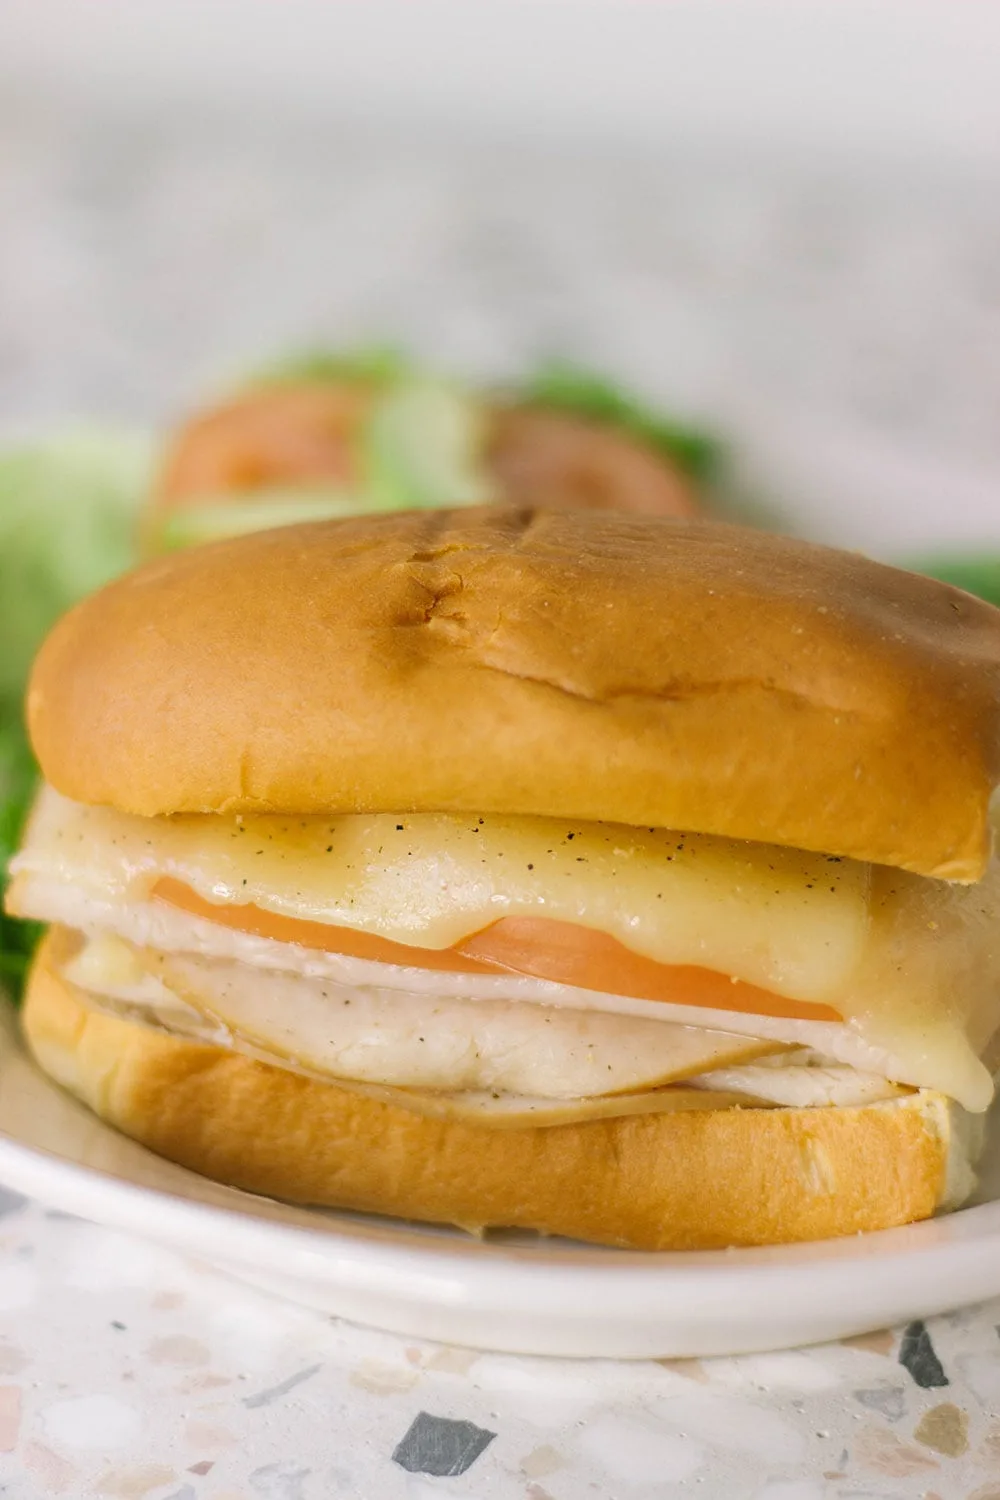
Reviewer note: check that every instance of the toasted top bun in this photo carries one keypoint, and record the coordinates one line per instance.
(579, 664)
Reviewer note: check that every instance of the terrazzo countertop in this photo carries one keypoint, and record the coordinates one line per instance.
(146, 255)
(129, 1373)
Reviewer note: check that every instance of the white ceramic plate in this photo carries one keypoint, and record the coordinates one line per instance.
(515, 1293)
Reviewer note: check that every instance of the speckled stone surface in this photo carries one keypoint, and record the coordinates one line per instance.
(128, 1372)
(141, 258)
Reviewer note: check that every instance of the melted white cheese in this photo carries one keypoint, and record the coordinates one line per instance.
(912, 964)
(787, 921)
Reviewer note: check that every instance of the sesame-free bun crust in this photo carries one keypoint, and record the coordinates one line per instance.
(584, 665)
(655, 1182)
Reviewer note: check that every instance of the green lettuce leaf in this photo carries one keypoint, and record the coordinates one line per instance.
(17, 784)
(67, 516)
(423, 448)
(976, 574)
(377, 365)
(564, 387)
(213, 519)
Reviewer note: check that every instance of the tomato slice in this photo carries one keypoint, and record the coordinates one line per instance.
(279, 435)
(319, 935)
(591, 960)
(533, 946)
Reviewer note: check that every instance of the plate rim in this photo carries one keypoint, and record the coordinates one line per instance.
(54, 1177)
(536, 1298)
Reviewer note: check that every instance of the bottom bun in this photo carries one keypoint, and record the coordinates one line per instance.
(653, 1182)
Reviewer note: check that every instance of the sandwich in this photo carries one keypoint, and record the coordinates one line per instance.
(616, 878)
(339, 437)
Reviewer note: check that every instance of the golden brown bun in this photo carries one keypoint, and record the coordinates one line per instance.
(653, 1182)
(581, 664)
